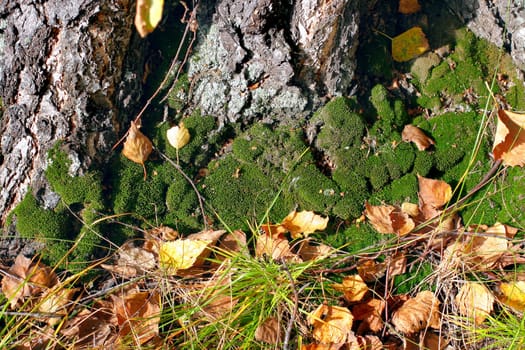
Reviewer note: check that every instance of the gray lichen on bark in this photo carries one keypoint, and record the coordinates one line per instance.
(60, 80)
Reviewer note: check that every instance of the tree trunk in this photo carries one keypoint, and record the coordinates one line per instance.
(65, 75)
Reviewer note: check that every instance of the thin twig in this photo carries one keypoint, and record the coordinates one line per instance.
(291, 321)
(199, 197)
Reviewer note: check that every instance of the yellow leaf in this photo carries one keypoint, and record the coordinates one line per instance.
(137, 146)
(509, 141)
(55, 300)
(304, 222)
(417, 313)
(148, 15)
(331, 324)
(474, 300)
(409, 45)
(514, 295)
(178, 136)
(182, 254)
(353, 287)
(409, 6)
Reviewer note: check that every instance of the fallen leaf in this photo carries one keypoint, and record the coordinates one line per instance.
(138, 316)
(389, 219)
(434, 341)
(137, 146)
(414, 134)
(509, 141)
(370, 313)
(26, 279)
(304, 222)
(484, 251)
(269, 331)
(178, 136)
(273, 230)
(513, 295)
(310, 252)
(407, 7)
(132, 261)
(331, 324)
(409, 45)
(148, 15)
(274, 248)
(435, 193)
(234, 242)
(411, 209)
(475, 301)
(91, 329)
(366, 342)
(55, 301)
(417, 313)
(353, 288)
(397, 264)
(183, 254)
(322, 346)
(370, 270)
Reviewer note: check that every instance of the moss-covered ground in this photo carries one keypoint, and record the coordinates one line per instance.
(357, 154)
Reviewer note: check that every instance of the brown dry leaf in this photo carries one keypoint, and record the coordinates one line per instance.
(274, 230)
(389, 219)
(309, 252)
(137, 146)
(483, 252)
(414, 134)
(407, 7)
(208, 235)
(26, 279)
(366, 342)
(353, 287)
(304, 222)
(475, 301)
(138, 315)
(409, 45)
(513, 295)
(55, 301)
(269, 331)
(148, 15)
(509, 141)
(233, 242)
(397, 264)
(91, 329)
(322, 346)
(370, 313)
(276, 248)
(435, 193)
(132, 261)
(434, 341)
(417, 313)
(331, 324)
(370, 270)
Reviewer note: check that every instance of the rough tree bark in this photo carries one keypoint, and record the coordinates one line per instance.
(64, 77)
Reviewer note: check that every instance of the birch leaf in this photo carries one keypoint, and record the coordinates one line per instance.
(409, 45)
(178, 136)
(148, 15)
(331, 324)
(474, 300)
(304, 222)
(514, 294)
(509, 141)
(414, 134)
(417, 313)
(137, 146)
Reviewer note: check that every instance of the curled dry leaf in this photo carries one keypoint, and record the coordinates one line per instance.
(397, 264)
(91, 329)
(366, 342)
(353, 287)
(55, 301)
(414, 134)
(148, 15)
(435, 193)
(409, 45)
(370, 270)
(26, 279)
(331, 324)
(484, 251)
(304, 222)
(407, 7)
(389, 219)
(178, 136)
(417, 313)
(309, 252)
(509, 141)
(370, 313)
(276, 248)
(270, 331)
(132, 261)
(137, 146)
(513, 295)
(475, 301)
(138, 314)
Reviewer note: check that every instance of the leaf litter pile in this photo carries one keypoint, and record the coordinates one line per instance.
(277, 287)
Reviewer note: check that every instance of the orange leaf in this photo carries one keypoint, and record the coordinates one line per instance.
(388, 219)
(417, 313)
(370, 313)
(409, 6)
(509, 141)
(269, 331)
(353, 287)
(414, 134)
(276, 248)
(474, 300)
(137, 146)
(409, 45)
(331, 324)
(435, 193)
(303, 222)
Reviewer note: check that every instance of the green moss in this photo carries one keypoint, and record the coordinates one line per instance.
(408, 281)
(177, 99)
(423, 163)
(400, 190)
(356, 238)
